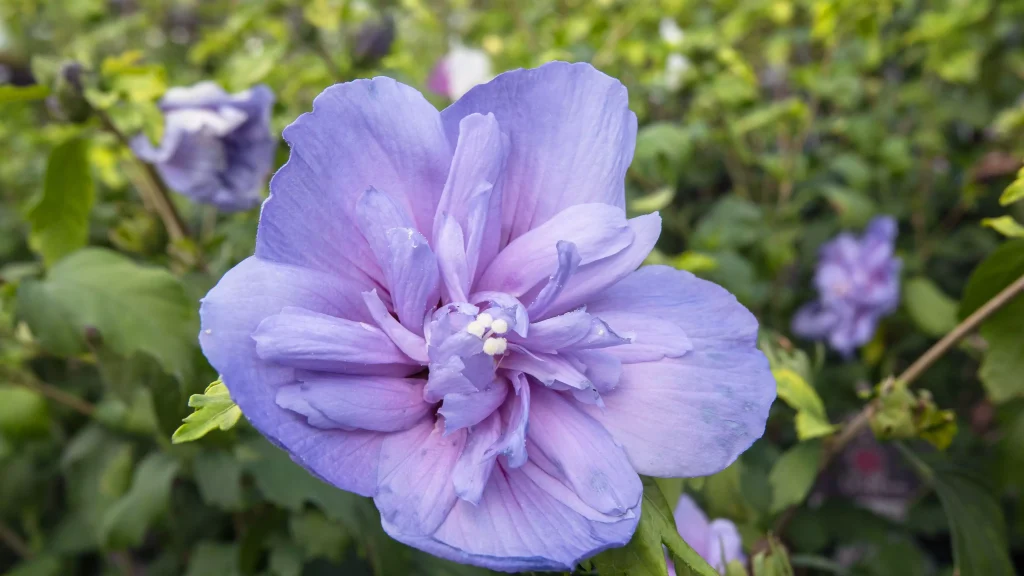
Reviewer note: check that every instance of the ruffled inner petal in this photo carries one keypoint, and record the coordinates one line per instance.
(350, 403)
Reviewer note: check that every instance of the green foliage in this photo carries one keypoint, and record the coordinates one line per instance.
(1002, 367)
(644, 555)
(214, 409)
(765, 128)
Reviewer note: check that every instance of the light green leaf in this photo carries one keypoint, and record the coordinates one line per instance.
(1003, 364)
(60, 217)
(1005, 225)
(10, 94)
(1015, 191)
(219, 477)
(126, 522)
(793, 475)
(23, 412)
(652, 202)
(930, 308)
(975, 519)
(774, 562)
(214, 409)
(811, 419)
(41, 566)
(694, 262)
(134, 309)
(644, 555)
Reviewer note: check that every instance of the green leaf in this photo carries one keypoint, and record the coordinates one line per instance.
(10, 94)
(811, 419)
(1015, 191)
(214, 409)
(1005, 225)
(932, 311)
(60, 217)
(975, 518)
(127, 521)
(135, 309)
(214, 558)
(42, 566)
(219, 477)
(793, 475)
(644, 554)
(23, 412)
(318, 536)
(1003, 364)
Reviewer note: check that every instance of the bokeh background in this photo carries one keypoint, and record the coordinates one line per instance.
(766, 127)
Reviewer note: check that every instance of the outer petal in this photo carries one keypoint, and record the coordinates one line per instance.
(360, 134)
(526, 520)
(415, 489)
(693, 415)
(366, 403)
(244, 297)
(572, 138)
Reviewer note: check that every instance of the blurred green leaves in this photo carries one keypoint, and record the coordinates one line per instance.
(23, 412)
(934, 312)
(126, 522)
(811, 419)
(793, 475)
(131, 307)
(60, 217)
(902, 415)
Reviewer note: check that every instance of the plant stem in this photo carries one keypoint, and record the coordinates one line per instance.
(151, 186)
(10, 538)
(863, 418)
(51, 392)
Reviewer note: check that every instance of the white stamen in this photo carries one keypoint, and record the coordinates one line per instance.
(476, 328)
(485, 319)
(495, 346)
(499, 326)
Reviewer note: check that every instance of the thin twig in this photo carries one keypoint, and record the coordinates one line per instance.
(11, 539)
(152, 186)
(51, 392)
(863, 418)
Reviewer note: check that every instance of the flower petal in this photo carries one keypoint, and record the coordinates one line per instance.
(597, 230)
(461, 410)
(693, 525)
(244, 297)
(415, 490)
(526, 520)
(305, 339)
(346, 402)
(572, 137)
(516, 415)
(360, 134)
(474, 467)
(568, 261)
(472, 194)
(582, 453)
(693, 415)
(412, 344)
(451, 259)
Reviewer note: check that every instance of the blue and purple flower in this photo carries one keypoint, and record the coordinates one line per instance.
(858, 282)
(217, 147)
(444, 313)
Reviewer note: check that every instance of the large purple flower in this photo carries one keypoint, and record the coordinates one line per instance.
(444, 313)
(858, 282)
(717, 541)
(217, 147)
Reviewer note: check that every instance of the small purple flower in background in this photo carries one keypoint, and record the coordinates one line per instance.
(858, 282)
(444, 313)
(217, 147)
(716, 541)
(459, 71)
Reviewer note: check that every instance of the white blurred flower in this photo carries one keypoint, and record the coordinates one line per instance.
(460, 70)
(670, 32)
(676, 66)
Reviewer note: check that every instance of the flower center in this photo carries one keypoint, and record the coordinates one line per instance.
(490, 329)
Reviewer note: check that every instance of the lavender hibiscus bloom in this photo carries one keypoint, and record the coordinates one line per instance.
(717, 541)
(217, 147)
(444, 312)
(858, 282)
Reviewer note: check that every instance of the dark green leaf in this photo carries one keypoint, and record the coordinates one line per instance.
(933, 312)
(219, 477)
(214, 559)
(127, 521)
(60, 217)
(134, 308)
(23, 412)
(318, 536)
(1003, 365)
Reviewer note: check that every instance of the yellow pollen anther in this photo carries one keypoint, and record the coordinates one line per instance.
(495, 346)
(476, 328)
(485, 319)
(499, 326)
